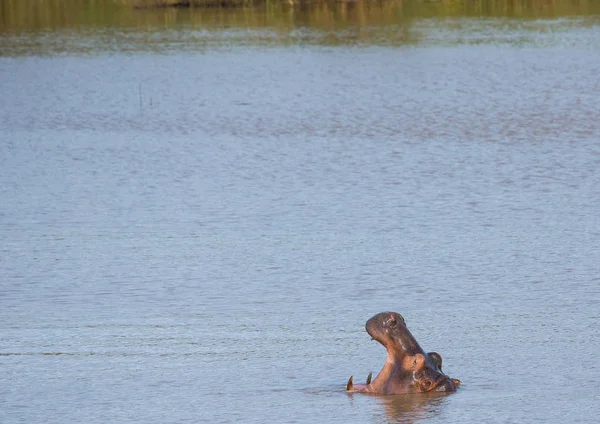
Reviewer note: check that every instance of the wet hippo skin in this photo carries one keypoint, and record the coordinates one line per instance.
(407, 369)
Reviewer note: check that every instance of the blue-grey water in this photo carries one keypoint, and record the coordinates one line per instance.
(199, 234)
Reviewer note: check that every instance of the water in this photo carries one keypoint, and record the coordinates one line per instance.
(198, 233)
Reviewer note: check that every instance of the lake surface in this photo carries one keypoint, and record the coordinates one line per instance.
(197, 220)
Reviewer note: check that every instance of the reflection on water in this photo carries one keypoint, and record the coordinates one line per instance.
(104, 25)
(411, 408)
(406, 408)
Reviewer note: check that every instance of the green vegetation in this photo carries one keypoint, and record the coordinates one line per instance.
(24, 15)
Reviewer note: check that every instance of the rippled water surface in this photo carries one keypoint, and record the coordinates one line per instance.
(197, 232)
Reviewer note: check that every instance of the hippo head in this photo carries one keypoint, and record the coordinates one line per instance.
(408, 369)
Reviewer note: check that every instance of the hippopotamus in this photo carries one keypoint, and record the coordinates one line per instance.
(407, 369)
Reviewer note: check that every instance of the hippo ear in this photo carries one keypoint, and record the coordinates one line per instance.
(436, 358)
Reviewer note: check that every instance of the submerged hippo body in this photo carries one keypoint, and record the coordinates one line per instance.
(407, 369)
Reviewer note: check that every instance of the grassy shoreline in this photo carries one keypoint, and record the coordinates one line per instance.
(26, 15)
(481, 6)
(183, 4)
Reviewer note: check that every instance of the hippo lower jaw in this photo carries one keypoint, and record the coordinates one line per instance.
(351, 387)
(423, 386)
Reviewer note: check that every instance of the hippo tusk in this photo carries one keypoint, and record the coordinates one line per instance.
(350, 384)
(369, 378)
